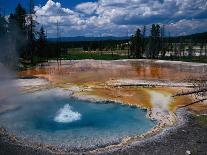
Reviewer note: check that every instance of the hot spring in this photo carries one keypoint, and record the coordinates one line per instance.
(49, 117)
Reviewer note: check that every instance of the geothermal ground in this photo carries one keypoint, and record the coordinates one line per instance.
(146, 84)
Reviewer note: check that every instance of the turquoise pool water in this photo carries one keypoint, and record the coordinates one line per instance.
(51, 118)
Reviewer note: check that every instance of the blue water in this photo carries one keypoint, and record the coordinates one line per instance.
(48, 117)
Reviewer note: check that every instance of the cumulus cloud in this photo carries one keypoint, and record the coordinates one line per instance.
(52, 8)
(52, 12)
(87, 8)
(184, 27)
(122, 17)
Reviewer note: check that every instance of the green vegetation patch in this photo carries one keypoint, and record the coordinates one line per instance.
(201, 120)
(96, 56)
(200, 59)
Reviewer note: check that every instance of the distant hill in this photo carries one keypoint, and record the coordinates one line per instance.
(197, 37)
(82, 38)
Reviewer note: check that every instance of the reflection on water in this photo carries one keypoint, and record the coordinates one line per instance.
(101, 71)
(95, 74)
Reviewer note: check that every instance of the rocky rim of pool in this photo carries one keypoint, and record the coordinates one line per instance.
(158, 101)
(61, 114)
(47, 117)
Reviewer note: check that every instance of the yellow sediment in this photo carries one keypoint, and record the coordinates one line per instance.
(94, 74)
(132, 96)
(199, 108)
(139, 96)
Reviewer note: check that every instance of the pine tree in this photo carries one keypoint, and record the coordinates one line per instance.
(3, 40)
(3, 26)
(17, 29)
(42, 36)
(143, 40)
(20, 15)
(154, 41)
(163, 45)
(31, 33)
(41, 42)
(136, 44)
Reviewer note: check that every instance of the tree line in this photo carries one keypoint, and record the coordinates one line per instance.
(157, 44)
(20, 37)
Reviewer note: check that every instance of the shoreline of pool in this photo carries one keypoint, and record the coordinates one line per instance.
(162, 123)
(12, 142)
(181, 120)
(159, 126)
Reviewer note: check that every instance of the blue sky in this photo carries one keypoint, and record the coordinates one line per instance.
(11, 4)
(116, 17)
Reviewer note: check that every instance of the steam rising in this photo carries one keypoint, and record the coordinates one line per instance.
(7, 86)
(160, 100)
(11, 41)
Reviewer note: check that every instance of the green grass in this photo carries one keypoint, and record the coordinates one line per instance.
(202, 59)
(78, 55)
(201, 120)
(96, 56)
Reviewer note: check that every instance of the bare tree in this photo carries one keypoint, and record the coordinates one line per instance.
(58, 37)
(199, 91)
(31, 29)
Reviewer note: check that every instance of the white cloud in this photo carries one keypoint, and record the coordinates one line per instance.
(187, 26)
(87, 8)
(51, 8)
(52, 12)
(120, 17)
